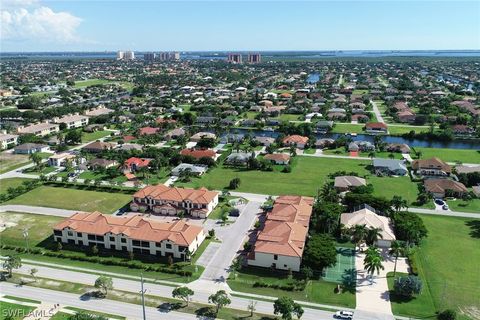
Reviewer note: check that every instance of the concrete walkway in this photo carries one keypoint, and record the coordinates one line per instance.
(446, 213)
(377, 112)
(38, 210)
(373, 298)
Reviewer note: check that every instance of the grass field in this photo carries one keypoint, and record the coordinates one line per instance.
(11, 183)
(317, 291)
(465, 206)
(13, 311)
(10, 162)
(448, 262)
(450, 155)
(72, 199)
(347, 128)
(308, 174)
(92, 136)
(39, 228)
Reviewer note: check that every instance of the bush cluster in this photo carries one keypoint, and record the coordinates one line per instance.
(104, 261)
(292, 286)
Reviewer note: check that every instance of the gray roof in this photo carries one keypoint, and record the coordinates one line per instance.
(195, 168)
(391, 164)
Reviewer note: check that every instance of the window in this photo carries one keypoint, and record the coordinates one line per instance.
(124, 240)
(79, 234)
(136, 243)
(57, 232)
(275, 257)
(168, 246)
(70, 233)
(112, 239)
(91, 237)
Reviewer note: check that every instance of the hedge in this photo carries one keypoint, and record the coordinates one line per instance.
(296, 286)
(104, 261)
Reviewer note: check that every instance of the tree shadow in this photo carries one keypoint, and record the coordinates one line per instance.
(205, 313)
(474, 228)
(349, 280)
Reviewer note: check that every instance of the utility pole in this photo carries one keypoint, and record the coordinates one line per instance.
(143, 296)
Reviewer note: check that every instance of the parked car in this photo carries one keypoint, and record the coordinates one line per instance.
(445, 207)
(344, 315)
(440, 202)
(234, 212)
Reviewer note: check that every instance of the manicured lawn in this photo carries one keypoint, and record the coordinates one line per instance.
(308, 174)
(16, 311)
(358, 91)
(448, 262)
(450, 155)
(72, 199)
(39, 228)
(90, 312)
(92, 136)
(10, 164)
(90, 82)
(317, 291)
(419, 306)
(391, 186)
(10, 183)
(402, 129)
(289, 117)
(465, 206)
(347, 128)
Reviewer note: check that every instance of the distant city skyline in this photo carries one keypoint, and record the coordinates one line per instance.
(96, 26)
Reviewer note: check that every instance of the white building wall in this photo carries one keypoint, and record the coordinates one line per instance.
(281, 263)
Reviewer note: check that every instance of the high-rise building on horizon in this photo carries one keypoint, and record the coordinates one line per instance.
(120, 55)
(254, 58)
(149, 56)
(235, 58)
(125, 55)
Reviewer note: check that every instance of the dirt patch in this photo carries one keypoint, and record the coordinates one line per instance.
(9, 220)
(471, 312)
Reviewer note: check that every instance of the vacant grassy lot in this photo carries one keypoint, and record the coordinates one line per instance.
(39, 228)
(448, 262)
(73, 199)
(450, 155)
(308, 174)
(10, 161)
(317, 291)
(347, 128)
(13, 311)
(10, 183)
(92, 136)
(391, 186)
(465, 206)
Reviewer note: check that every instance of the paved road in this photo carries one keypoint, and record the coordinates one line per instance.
(377, 112)
(38, 210)
(447, 213)
(202, 292)
(127, 310)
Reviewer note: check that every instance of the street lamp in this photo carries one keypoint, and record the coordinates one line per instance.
(142, 291)
(25, 235)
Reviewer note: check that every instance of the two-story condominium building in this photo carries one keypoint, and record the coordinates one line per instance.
(432, 167)
(41, 129)
(161, 199)
(8, 140)
(281, 241)
(72, 121)
(133, 233)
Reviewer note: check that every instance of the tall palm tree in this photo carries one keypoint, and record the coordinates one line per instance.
(358, 233)
(373, 261)
(396, 249)
(371, 154)
(372, 235)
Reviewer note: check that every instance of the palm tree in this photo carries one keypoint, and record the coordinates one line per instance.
(358, 233)
(36, 158)
(373, 262)
(397, 249)
(372, 235)
(371, 154)
(398, 203)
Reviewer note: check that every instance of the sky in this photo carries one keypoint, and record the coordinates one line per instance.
(224, 25)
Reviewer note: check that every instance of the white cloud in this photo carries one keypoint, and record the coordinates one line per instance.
(22, 20)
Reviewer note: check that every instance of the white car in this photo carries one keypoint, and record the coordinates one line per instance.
(344, 315)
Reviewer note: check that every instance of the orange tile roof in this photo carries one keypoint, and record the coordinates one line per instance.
(295, 139)
(286, 227)
(278, 157)
(134, 227)
(161, 192)
(198, 153)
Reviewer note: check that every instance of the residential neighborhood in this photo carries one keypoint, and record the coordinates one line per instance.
(230, 184)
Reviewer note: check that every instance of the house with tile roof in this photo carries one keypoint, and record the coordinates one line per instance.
(431, 167)
(172, 201)
(130, 233)
(281, 241)
(296, 140)
(440, 188)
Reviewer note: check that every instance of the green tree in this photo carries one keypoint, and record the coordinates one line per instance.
(11, 263)
(398, 203)
(358, 233)
(33, 273)
(252, 306)
(36, 158)
(373, 261)
(372, 235)
(286, 307)
(407, 286)
(236, 266)
(183, 293)
(104, 283)
(86, 316)
(234, 183)
(448, 314)
(397, 249)
(220, 299)
(320, 252)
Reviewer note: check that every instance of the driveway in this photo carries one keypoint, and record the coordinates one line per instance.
(38, 210)
(377, 112)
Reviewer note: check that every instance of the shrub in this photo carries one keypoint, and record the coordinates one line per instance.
(448, 314)
(407, 286)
